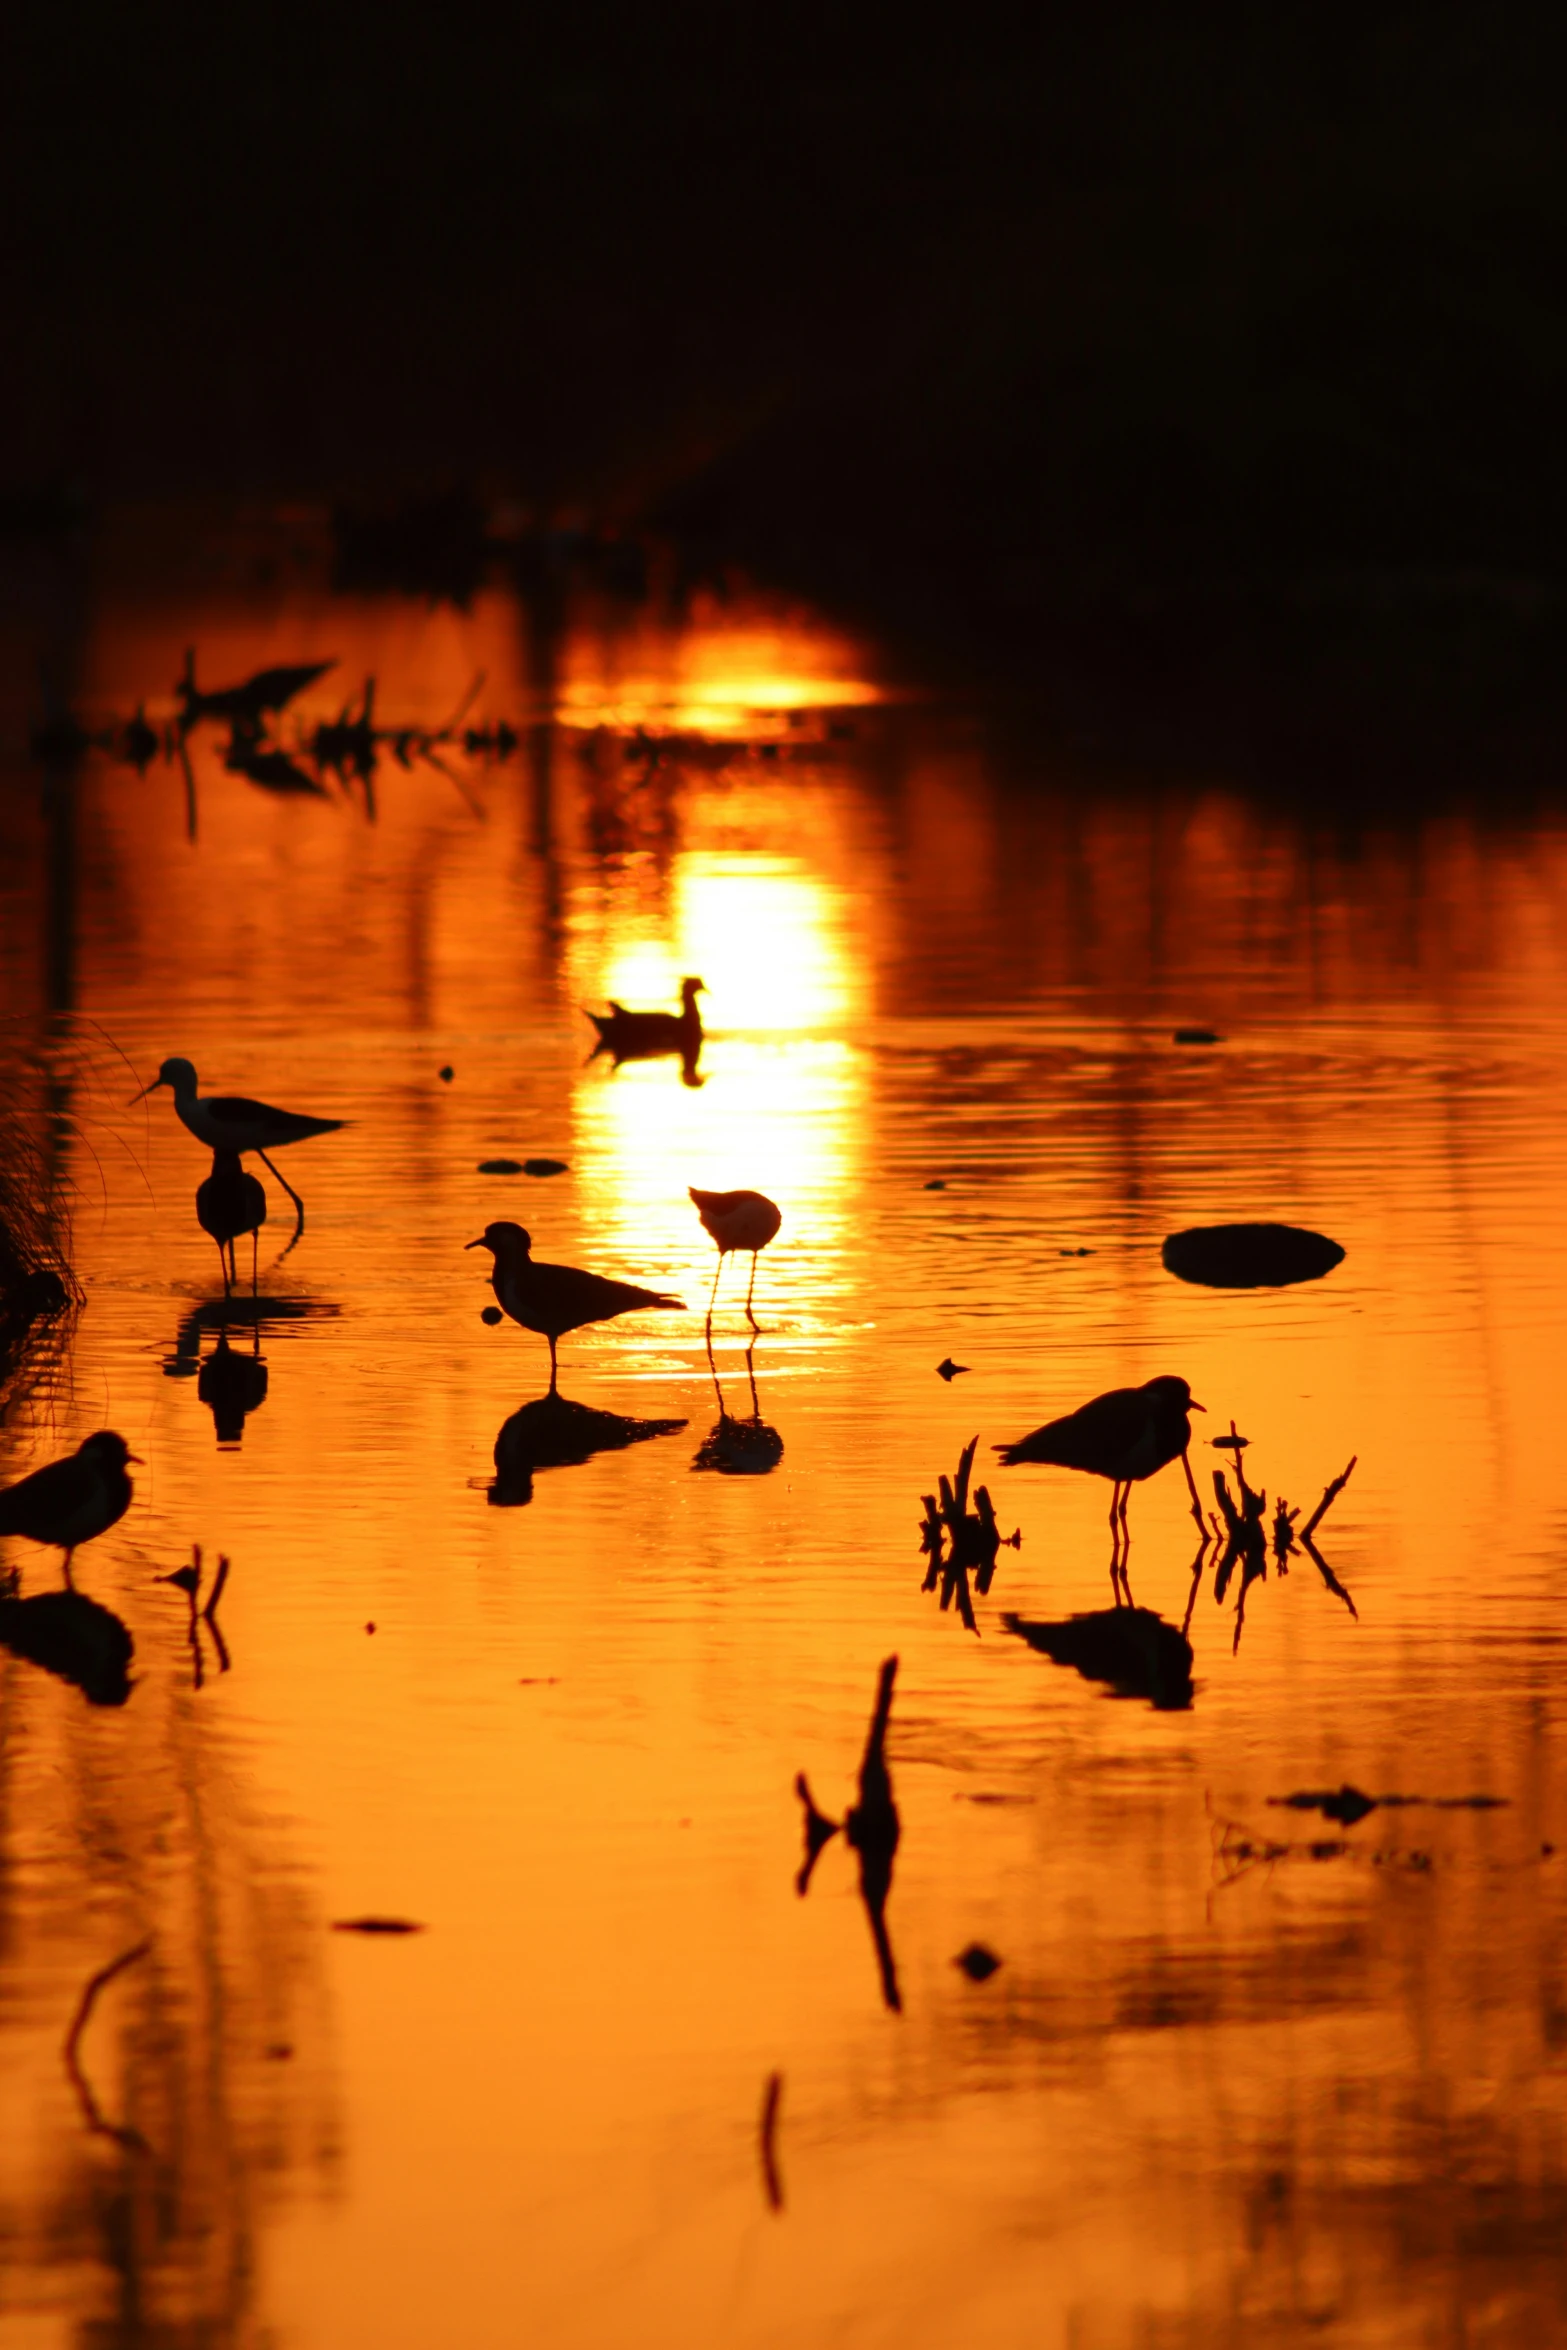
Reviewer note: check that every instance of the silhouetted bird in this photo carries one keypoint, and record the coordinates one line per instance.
(552, 1299)
(73, 1637)
(644, 1036)
(229, 1203)
(230, 1121)
(71, 1501)
(1131, 1648)
(736, 1219)
(1126, 1435)
(248, 704)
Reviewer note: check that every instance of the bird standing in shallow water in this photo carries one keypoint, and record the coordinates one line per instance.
(71, 1501)
(1126, 1435)
(736, 1219)
(228, 1203)
(552, 1299)
(230, 1121)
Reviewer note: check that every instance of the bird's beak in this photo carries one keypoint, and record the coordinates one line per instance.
(136, 1457)
(468, 1244)
(146, 1089)
(1194, 1406)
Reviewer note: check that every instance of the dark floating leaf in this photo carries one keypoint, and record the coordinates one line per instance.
(1075, 1252)
(978, 1963)
(376, 1926)
(500, 1166)
(544, 1166)
(937, 1183)
(1249, 1256)
(447, 1074)
(490, 1314)
(1345, 1804)
(1197, 1036)
(949, 1370)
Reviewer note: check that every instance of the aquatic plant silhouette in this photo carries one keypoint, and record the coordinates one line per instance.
(871, 1827)
(957, 1540)
(1246, 1534)
(188, 1580)
(248, 705)
(553, 1432)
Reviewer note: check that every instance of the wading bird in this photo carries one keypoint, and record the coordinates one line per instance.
(736, 1219)
(552, 1299)
(644, 1036)
(1127, 1435)
(71, 1501)
(230, 1121)
(229, 1203)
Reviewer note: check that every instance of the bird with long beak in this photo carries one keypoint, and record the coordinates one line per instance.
(71, 1501)
(552, 1299)
(230, 1121)
(1126, 1435)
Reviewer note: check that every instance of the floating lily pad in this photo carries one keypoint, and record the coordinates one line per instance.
(500, 1166)
(1250, 1256)
(1197, 1036)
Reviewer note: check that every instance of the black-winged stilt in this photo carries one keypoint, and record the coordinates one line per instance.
(736, 1220)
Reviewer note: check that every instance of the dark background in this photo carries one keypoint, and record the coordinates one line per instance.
(1222, 353)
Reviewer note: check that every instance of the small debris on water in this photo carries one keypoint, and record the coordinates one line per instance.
(937, 1183)
(490, 1314)
(447, 1074)
(376, 1926)
(369, 1627)
(544, 1166)
(500, 1166)
(1197, 1036)
(1075, 1252)
(1345, 1804)
(278, 2052)
(949, 1370)
(978, 1963)
(539, 1681)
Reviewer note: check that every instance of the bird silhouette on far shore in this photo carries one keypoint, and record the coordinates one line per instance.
(552, 1299)
(1127, 1435)
(650, 1036)
(71, 1501)
(231, 1202)
(736, 1220)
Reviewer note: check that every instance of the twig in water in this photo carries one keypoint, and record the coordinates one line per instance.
(92, 2112)
(772, 2097)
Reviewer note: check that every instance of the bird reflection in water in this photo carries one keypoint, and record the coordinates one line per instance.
(958, 1540)
(71, 1636)
(232, 1380)
(871, 1827)
(1135, 1652)
(552, 1432)
(654, 1036)
(736, 1447)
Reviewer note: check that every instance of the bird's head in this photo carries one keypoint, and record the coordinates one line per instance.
(690, 989)
(178, 1075)
(110, 1449)
(1173, 1395)
(503, 1240)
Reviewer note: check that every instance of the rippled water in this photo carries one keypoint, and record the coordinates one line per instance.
(1243, 2071)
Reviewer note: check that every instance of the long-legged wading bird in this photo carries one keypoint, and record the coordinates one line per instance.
(71, 1501)
(642, 1036)
(1126, 1435)
(229, 1203)
(553, 1299)
(736, 1220)
(232, 1122)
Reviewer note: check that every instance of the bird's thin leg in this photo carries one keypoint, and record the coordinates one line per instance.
(1191, 1487)
(254, 1252)
(552, 1367)
(66, 1570)
(713, 1294)
(224, 1263)
(750, 1317)
(1115, 1545)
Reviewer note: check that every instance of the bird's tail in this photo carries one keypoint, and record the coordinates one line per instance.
(1027, 1448)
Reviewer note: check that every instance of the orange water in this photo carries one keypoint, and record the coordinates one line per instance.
(1208, 2095)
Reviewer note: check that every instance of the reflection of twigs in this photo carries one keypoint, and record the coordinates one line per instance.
(1330, 1495)
(131, 2140)
(771, 2181)
(210, 1614)
(299, 1205)
(1327, 1574)
(190, 784)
